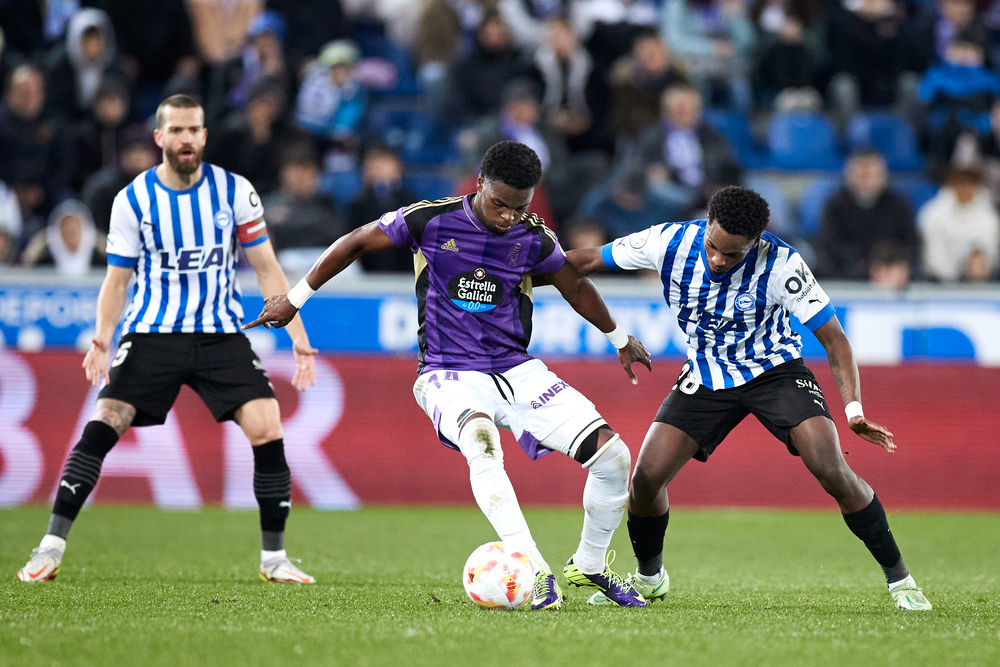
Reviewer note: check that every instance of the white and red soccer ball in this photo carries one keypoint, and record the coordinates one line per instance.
(498, 577)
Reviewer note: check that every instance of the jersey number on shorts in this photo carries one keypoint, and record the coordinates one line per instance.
(122, 353)
(687, 383)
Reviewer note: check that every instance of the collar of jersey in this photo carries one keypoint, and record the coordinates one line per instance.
(204, 175)
(700, 239)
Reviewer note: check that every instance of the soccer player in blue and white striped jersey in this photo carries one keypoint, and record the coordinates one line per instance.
(732, 287)
(176, 228)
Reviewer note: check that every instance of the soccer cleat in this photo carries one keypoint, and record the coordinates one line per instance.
(545, 594)
(43, 565)
(281, 570)
(615, 589)
(650, 591)
(909, 597)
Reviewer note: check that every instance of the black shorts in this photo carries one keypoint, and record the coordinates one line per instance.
(780, 398)
(149, 369)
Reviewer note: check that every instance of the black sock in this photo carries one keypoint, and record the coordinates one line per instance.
(872, 528)
(272, 484)
(646, 533)
(80, 474)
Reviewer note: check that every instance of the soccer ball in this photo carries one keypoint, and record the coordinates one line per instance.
(498, 577)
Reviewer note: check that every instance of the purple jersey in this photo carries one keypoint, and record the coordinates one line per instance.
(473, 286)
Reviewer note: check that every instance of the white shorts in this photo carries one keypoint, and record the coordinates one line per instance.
(543, 412)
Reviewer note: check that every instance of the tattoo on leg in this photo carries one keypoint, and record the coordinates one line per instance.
(116, 414)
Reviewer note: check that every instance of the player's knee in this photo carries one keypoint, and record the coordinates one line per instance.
(645, 486)
(612, 462)
(480, 440)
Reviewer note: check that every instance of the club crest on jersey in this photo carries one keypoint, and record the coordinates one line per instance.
(475, 291)
(744, 302)
(638, 239)
(193, 260)
(223, 218)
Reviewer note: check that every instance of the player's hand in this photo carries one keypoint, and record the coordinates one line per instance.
(305, 366)
(95, 364)
(277, 312)
(874, 433)
(634, 351)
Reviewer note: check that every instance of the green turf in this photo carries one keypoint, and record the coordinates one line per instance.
(145, 587)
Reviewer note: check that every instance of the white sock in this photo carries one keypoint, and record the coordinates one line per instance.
(266, 556)
(604, 498)
(480, 442)
(650, 580)
(896, 584)
(53, 542)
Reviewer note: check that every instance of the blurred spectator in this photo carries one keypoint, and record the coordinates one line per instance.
(331, 103)
(98, 137)
(638, 82)
(630, 206)
(889, 267)
(681, 155)
(220, 26)
(961, 230)
(37, 154)
(311, 24)
(715, 39)
(862, 214)
(520, 119)
(769, 16)
(959, 93)
(437, 41)
(608, 27)
(70, 242)
(34, 26)
(263, 57)
(871, 31)
(298, 214)
(586, 232)
(479, 78)
(528, 18)
(76, 69)
(137, 154)
(953, 18)
(10, 226)
(382, 191)
(570, 100)
(786, 65)
(250, 141)
(155, 41)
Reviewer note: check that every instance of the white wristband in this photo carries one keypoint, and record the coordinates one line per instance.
(298, 295)
(853, 409)
(618, 337)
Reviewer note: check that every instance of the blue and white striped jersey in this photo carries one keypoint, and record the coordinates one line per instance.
(182, 245)
(737, 323)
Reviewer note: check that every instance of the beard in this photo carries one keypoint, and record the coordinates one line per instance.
(183, 167)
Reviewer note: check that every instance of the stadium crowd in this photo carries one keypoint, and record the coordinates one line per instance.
(872, 127)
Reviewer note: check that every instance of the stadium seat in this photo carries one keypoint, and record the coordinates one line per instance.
(736, 127)
(410, 131)
(917, 190)
(781, 221)
(341, 185)
(429, 186)
(811, 204)
(802, 141)
(890, 135)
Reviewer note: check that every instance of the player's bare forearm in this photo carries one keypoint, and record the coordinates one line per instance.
(580, 293)
(840, 355)
(111, 302)
(586, 260)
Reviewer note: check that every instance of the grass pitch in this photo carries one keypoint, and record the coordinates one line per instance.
(140, 586)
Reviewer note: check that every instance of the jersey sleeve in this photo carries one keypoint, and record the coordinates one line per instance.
(551, 256)
(396, 227)
(796, 289)
(124, 245)
(248, 212)
(640, 250)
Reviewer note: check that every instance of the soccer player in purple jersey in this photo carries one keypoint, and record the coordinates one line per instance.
(474, 258)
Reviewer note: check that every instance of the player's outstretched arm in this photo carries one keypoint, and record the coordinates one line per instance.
(272, 280)
(279, 311)
(845, 372)
(586, 300)
(110, 304)
(586, 260)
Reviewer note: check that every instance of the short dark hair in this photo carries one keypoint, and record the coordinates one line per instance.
(180, 101)
(512, 164)
(739, 211)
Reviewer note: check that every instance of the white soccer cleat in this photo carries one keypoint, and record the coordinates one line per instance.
(43, 565)
(909, 597)
(281, 570)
